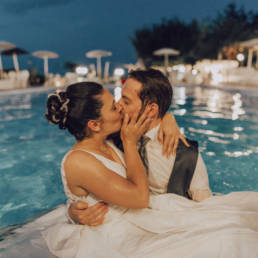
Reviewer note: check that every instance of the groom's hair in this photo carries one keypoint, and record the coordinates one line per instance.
(156, 88)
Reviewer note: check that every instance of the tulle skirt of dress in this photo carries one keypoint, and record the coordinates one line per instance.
(221, 226)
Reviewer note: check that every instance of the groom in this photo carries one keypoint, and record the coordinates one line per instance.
(183, 174)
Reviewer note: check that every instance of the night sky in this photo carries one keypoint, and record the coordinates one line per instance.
(72, 27)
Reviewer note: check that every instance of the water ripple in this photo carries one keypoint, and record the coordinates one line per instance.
(237, 154)
(210, 132)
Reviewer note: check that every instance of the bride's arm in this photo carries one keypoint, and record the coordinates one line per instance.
(85, 171)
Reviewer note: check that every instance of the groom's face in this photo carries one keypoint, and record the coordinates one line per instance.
(130, 100)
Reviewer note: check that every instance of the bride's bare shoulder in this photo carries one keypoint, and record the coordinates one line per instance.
(80, 158)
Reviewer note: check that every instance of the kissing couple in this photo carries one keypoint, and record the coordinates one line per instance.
(125, 197)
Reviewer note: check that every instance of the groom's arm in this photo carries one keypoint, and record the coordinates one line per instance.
(81, 213)
(199, 188)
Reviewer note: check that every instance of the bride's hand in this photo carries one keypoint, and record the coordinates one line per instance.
(132, 129)
(169, 135)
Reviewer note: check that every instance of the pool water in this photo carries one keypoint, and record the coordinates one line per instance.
(225, 123)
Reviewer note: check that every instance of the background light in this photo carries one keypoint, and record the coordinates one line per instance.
(194, 72)
(180, 68)
(81, 70)
(117, 93)
(240, 57)
(119, 72)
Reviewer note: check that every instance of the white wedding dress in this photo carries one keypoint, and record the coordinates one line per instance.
(172, 226)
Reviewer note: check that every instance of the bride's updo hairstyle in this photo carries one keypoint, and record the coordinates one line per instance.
(72, 108)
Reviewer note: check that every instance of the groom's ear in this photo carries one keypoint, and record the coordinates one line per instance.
(94, 125)
(154, 110)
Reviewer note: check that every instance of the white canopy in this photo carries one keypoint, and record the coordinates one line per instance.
(252, 45)
(166, 52)
(98, 54)
(4, 45)
(45, 54)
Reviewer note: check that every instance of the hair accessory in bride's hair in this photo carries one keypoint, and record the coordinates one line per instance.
(64, 108)
(57, 110)
(57, 94)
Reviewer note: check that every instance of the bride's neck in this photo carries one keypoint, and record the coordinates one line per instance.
(96, 141)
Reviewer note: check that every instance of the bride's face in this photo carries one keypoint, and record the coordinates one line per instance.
(111, 118)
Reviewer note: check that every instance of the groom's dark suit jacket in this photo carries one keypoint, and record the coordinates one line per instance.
(183, 169)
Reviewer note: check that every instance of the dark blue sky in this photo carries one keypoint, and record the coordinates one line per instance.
(72, 27)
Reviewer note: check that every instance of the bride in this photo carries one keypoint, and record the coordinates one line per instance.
(138, 223)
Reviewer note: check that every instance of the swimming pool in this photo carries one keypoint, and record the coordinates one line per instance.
(225, 123)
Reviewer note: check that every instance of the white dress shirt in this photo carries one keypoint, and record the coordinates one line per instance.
(160, 169)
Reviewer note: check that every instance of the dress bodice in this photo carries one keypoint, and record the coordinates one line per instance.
(91, 199)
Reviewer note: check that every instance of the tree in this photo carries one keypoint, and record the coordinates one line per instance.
(170, 33)
(198, 40)
(228, 28)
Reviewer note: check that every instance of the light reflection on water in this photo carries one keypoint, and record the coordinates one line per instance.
(225, 123)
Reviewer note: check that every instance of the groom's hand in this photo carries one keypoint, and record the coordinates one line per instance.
(93, 215)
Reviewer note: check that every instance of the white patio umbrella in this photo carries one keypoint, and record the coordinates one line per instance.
(252, 45)
(166, 52)
(45, 55)
(4, 45)
(98, 54)
(249, 43)
(14, 52)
